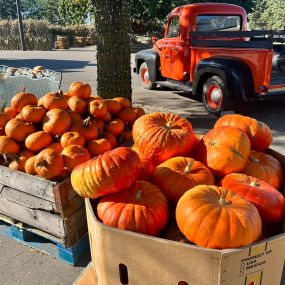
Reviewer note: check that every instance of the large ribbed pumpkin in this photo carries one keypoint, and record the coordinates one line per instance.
(179, 174)
(269, 202)
(258, 132)
(159, 136)
(224, 150)
(215, 217)
(264, 167)
(141, 208)
(108, 173)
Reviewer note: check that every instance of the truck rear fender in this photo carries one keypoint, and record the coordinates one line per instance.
(235, 73)
(151, 57)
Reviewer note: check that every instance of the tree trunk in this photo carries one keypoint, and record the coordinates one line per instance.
(112, 24)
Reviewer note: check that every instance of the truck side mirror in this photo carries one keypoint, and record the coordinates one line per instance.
(153, 39)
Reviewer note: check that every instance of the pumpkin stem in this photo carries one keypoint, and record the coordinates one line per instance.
(43, 163)
(223, 201)
(254, 159)
(8, 157)
(189, 166)
(168, 125)
(58, 93)
(138, 195)
(86, 122)
(57, 138)
(254, 183)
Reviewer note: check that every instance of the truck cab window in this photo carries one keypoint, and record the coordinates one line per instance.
(218, 23)
(173, 27)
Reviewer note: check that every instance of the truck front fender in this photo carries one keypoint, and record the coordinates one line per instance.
(151, 57)
(235, 73)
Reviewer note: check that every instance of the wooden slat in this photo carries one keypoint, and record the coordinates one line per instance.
(27, 183)
(42, 220)
(25, 199)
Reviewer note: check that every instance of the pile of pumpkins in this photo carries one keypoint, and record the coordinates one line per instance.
(51, 135)
(223, 186)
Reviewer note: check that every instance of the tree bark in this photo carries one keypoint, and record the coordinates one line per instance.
(112, 24)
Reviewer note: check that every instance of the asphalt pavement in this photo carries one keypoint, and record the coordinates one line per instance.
(23, 266)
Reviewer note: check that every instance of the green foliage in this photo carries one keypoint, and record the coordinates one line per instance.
(8, 9)
(268, 15)
(73, 12)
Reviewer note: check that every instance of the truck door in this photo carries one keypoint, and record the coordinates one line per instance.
(172, 52)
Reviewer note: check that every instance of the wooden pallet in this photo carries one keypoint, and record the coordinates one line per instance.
(42, 241)
(86, 277)
(49, 206)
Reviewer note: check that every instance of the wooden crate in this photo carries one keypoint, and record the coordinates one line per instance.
(86, 277)
(52, 207)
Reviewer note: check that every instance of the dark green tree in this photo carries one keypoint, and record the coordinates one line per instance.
(8, 9)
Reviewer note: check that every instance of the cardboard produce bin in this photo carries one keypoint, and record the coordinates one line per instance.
(124, 257)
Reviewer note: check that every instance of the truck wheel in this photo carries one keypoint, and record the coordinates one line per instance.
(144, 77)
(216, 97)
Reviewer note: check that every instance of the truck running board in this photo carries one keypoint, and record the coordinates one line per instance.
(175, 85)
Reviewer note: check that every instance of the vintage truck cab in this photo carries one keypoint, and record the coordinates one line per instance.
(207, 50)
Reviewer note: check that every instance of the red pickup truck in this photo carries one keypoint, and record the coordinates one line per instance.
(206, 50)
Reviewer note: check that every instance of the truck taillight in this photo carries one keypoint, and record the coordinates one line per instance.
(263, 89)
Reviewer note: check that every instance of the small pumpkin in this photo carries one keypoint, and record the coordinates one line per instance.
(30, 165)
(4, 117)
(55, 100)
(177, 175)
(80, 89)
(264, 167)
(160, 136)
(127, 115)
(99, 146)
(75, 117)
(111, 138)
(215, 217)
(115, 127)
(87, 128)
(8, 145)
(224, 150)
(33, 114)
(139, 112)
(107, 118)
(97, 109)
(49, 163)
(38, 141)
(108, 173)
(258, 132)
(77, 105)
(73, 155)
(126, 136)
(20, 100)
(56, 122)
(140, 208)
(55, 146)
(125, 103)
(18, 129)
(113, 107)
(20, 160)
(12, 113)
(269, 202)
(71, 138)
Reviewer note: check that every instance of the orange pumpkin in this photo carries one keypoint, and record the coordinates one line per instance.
(108, 173)
(97, 109)
(258, 132)
(160, 136)
(126, 136)
(65, 173)
(111, 138)
(179, 174)
(20, 100)
(71, 138)
(100, 125)
(107, 118)
(73, 155)
(19, 162)
(141, 208)
(75, 117)
(80, 89)
(49, 163)
(87, 128)
(224, 150)
(55, 146)
(125, 103)
(56, 122)
(264, 167)
(139, 112)
(113, 107)
(99, 146)
(215, 217)
(147, 170)
(127, 115)
(30, 165)
(4, 118)
(77, 105)
(33, 114)
(12, 113)
(38, 141)
(8, 145)
(18, 129)
(115, 127)
(55, 100)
